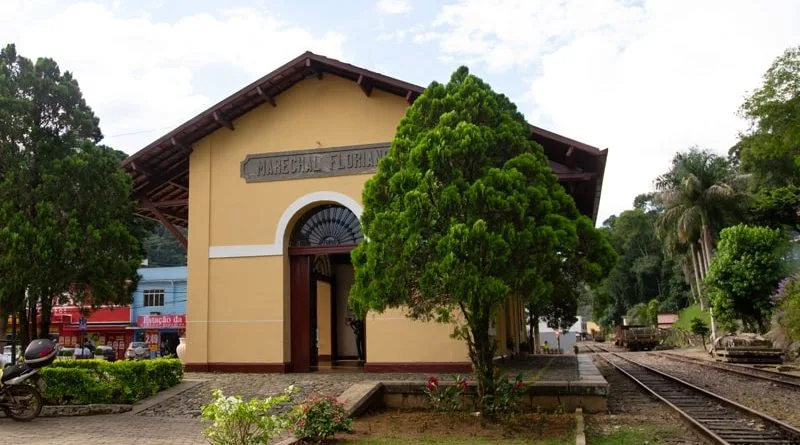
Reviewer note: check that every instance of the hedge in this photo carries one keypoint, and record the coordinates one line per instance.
(80, 382)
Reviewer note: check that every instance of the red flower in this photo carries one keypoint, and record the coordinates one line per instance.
(433, 382)
(463, 384)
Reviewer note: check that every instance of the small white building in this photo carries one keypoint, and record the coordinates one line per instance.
(568, 338)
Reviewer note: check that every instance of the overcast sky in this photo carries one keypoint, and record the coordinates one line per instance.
(643, 78)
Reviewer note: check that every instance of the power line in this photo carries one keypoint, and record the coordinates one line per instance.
(135, 132)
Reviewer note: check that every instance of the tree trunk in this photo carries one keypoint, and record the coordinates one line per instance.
(47, 308)
(531, 344)
(536, 333)
(689, 278)
(701, 260)
(24, 337)
(481, 353)
(32, 313)
(697, 278)
(707, 246)
(3, 326)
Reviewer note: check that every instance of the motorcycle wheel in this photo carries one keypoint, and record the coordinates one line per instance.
(22, 403)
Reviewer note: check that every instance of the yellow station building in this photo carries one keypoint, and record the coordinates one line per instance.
(276, 173)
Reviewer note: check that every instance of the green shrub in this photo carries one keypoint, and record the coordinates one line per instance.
(98, 381)
(66, 352)
(787, 300)
(236, 422)
(686, 315)
(72, 386)
(319, 418)
(164, 372)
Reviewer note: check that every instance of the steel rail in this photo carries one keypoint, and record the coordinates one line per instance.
(780, 379)
(717, 423)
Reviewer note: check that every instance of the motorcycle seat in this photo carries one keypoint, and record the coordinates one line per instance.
(14, 371)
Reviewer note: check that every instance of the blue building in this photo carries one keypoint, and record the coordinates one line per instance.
(158, 312)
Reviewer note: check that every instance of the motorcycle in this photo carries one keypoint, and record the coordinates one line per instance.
(21, 385)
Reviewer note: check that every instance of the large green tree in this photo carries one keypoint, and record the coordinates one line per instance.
(67, 220)
(701, 193)
(463, 213)
(744, 273)
(644, 270)
(770, 148)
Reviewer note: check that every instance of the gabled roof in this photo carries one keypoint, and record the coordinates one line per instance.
(160, 170)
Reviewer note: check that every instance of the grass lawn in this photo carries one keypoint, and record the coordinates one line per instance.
(633, 435)
(420, 427)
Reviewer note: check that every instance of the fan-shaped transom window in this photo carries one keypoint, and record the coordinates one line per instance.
(327, 225)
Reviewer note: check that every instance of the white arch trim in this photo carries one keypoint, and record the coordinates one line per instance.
(276, 248)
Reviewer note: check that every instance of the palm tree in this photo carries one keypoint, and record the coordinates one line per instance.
(699, 195)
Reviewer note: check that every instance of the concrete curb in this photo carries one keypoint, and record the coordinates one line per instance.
(580, 435)
(95, 409)
(100, 409)
(155, 399)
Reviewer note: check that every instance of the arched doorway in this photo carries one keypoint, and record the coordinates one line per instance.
(320, 277)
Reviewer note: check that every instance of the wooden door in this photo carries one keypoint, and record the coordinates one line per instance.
(300, 307)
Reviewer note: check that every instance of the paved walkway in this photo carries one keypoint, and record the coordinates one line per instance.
(111, 429)
(176, 421)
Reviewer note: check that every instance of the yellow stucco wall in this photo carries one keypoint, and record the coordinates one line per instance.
(238, 308)
(324, 317)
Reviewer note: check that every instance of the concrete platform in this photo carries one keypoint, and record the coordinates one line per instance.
(588, 391)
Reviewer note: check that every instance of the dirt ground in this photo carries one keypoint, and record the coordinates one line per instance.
(462, 426)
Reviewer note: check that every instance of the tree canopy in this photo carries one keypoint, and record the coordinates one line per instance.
(463, 213)
(644, 271)
(745, 273)
(770, 148)
(68, 224)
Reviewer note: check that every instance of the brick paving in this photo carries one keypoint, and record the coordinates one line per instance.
(111, 429)
(175, 421)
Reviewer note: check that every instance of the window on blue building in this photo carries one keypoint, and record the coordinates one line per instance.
(154, 297)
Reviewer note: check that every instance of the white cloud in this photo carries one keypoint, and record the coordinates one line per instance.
(137, 73)
(400, 35)
(643, 79)
(393, 7)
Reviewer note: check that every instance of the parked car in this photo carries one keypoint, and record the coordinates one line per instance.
(106, 353)
(137, 350)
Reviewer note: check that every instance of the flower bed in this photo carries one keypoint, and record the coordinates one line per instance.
(389, 427)
(82, 382)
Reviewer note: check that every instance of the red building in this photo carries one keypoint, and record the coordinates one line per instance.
(107, 325)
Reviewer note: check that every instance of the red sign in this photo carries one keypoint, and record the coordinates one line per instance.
(161, 321)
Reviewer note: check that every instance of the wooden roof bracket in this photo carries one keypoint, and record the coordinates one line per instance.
(267, 98)
(365, 84)
(143, 170)
(178, 144)
(222, 121)
(172, 203)
(146, 204)
(570, 157)
(314, 68)
(410, 96)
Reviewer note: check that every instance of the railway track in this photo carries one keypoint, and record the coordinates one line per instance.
(721, 420)
(596, 348)
(786, 380)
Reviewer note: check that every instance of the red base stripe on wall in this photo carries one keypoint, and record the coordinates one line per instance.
(423, 367)
(433, 367)
(236, 367)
